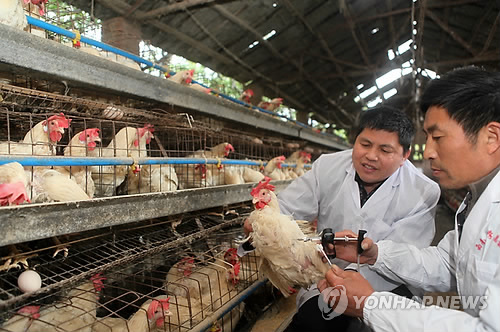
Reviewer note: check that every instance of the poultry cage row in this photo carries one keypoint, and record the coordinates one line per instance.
(168, 274)
(142, 152)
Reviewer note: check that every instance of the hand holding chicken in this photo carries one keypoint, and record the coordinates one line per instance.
(283, 259)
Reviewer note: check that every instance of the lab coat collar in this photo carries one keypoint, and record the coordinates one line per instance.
(382, 192)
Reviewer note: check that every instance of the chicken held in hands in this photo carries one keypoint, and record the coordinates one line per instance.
(284, 259)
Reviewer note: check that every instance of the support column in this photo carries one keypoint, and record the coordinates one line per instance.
(122, 33)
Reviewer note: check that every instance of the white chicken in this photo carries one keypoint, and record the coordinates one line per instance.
(124, 144)
(77, 312)
(203, 175)
(48, 185)
(152, 314)
(12, 14)
(284, 259)
(79, 146)
(304, 158)
(273, 168)
(13, 184)
(151, 178)
(41, 139)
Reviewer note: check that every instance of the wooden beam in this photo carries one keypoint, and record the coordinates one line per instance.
(490, 35)
(419, 56)
(318, 35)
(491, 56)
(174, 7)
(451, 32)
(244, 25)
(136, 5)
(122, 8)
(479, 23)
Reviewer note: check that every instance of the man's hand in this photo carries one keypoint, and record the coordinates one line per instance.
(247, 227)
(348, 251)
(353, 286)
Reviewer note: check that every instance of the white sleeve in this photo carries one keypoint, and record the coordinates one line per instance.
(409, 315)
(300, 199)
(430, 269)
(416, 230)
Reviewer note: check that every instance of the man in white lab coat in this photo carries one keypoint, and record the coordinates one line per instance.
(372, 187)
(462, 124)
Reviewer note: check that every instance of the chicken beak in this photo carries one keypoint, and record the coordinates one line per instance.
(97, 139)
(255, 200)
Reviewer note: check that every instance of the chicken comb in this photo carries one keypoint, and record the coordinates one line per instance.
(249, 91)
(237, 268)
(281, 158)
(93, 132)
(229, 147)
(305, 154)
(97, 280)
(263, 184)
(147, 127)
(230, 251)
(62, 121)
(32, 310)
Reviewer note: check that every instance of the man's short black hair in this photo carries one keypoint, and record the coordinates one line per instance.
(470, 95)
(391, 120)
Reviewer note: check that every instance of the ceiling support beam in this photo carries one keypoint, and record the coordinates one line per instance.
(487, 57)
(244, 25)
(491, 35)
(174, 7)
(324, 45)
(122, 8)
(251, 70)
(451, 32)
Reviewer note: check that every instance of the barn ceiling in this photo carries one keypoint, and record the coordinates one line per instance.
(323, 54)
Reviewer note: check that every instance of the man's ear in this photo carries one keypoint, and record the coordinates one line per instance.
(493, 137)
(406, 155)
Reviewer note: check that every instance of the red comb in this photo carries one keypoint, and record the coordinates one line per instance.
(152, 309)
(263, 184)
(191, 72)
(229, 147)
(97, 279)
(237, 268)
(250, 92)
(282, 158)
(230, 251)
(93, 132)
(62, 121)
(164, 306)
(33, 310)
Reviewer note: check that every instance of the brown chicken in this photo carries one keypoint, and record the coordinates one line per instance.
(271, 105)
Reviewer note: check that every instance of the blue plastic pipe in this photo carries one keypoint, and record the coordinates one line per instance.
(72, 35)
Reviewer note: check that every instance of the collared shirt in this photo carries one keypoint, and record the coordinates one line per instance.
(363, 195)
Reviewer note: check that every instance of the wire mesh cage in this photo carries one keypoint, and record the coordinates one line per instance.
(113, 277)
(117, 150)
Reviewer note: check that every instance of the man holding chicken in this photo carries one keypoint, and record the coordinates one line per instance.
(372, 187)
(462, 124)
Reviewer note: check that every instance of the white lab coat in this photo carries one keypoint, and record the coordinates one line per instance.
(402, 209)
(470, 267)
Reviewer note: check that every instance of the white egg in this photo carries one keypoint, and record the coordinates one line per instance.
(29, 281)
